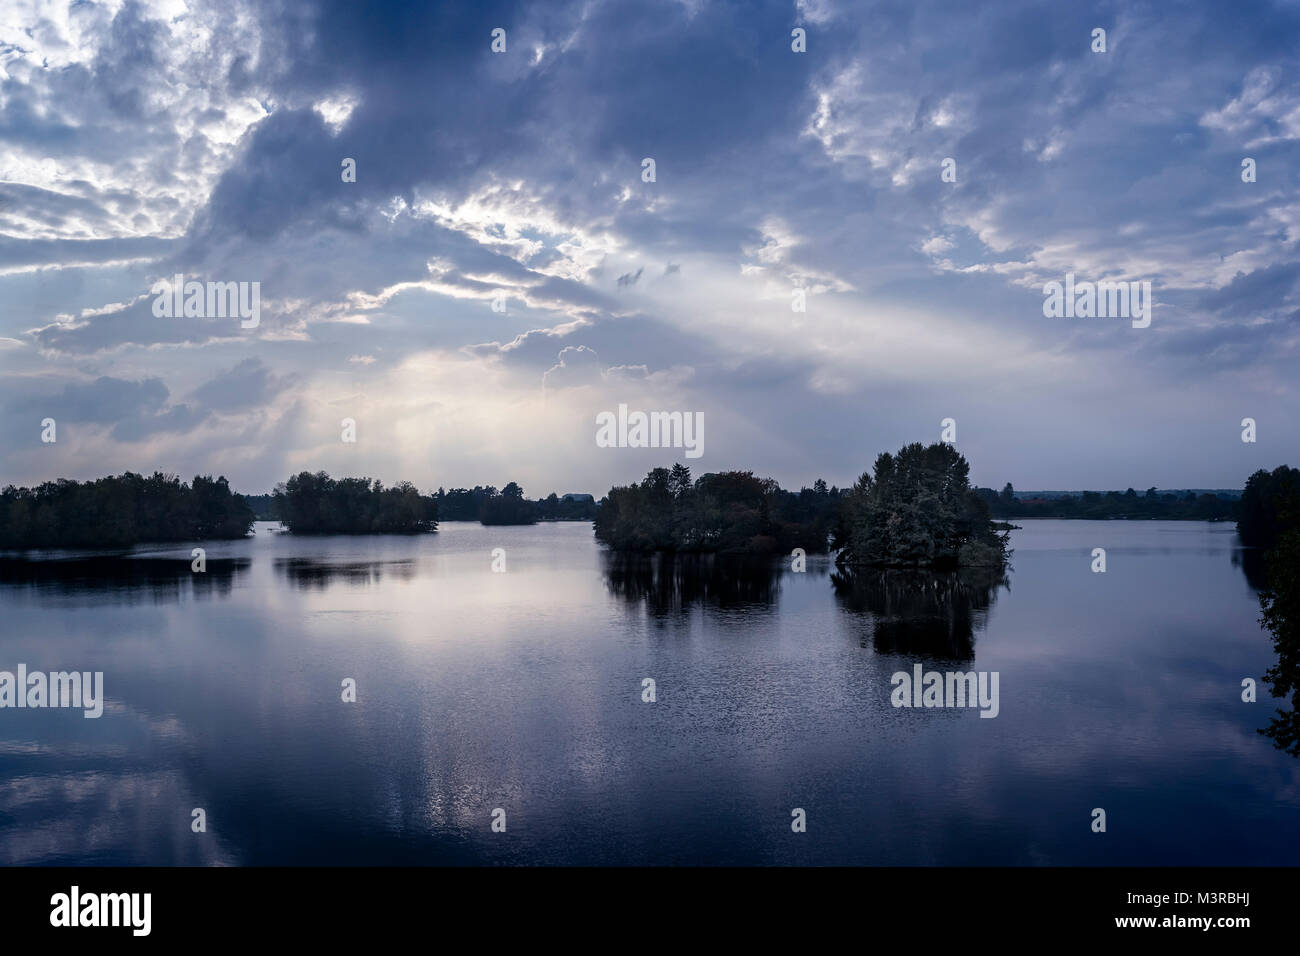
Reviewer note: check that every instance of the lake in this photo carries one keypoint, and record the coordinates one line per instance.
(522, 690)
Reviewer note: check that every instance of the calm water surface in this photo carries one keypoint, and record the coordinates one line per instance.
(522, 690)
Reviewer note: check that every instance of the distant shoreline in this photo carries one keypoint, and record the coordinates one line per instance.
(1219, 520)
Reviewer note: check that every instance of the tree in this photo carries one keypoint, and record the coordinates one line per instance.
(508, 507)
(1261, 523)
(918, 510)
(1280, 603)
(679, 481)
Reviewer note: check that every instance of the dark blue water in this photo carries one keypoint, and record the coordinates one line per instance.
(522, 691)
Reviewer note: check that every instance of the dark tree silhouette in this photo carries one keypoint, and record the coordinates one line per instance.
(1111, 504)
(121, 511)
(918, 510)
(1280, 603)
(509, 507)
(1262, 502)
(932, 613)
(731, 512)
(318, 504)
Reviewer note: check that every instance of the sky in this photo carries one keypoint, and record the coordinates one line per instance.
(143, 140)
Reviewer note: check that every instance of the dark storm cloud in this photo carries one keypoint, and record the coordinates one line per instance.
(435, 108)
(289, 177)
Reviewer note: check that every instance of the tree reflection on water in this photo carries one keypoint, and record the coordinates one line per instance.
(931, 613)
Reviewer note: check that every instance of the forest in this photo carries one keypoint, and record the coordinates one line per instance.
(119, 511)
(318, 504)
(1094, 505)
(732, 511)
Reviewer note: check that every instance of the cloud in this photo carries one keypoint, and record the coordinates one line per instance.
(1266, 111)
(248, 385)
(78, 82)
(104, 400)
(139, 140)
(136, 410)
(575, 365)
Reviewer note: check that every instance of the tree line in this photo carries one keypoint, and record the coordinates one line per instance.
(731, 511)
(916, 509)
(509, 506)
(1005, 505)
(119, 511)
(317, 504)
(483, 503)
